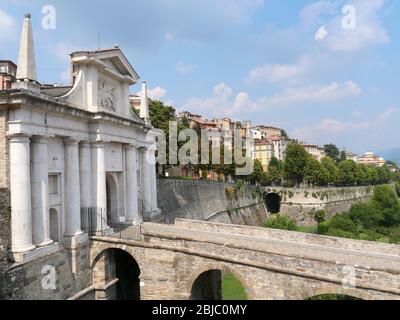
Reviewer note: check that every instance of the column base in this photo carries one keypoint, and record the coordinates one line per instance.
(24, 257)
(23, 250)
(45, 244)
(72, 242)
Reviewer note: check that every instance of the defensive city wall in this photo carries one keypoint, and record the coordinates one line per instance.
(211, 201)
(302, 204)
(251, 205)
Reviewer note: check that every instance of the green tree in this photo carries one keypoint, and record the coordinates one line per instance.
(274, 175)
(384, 175)
(258, 172)
(284, 134)
(315, 173)
(386, 201)
(275, 163)
(343, 156)
(332, 151)
(160, 117)
(332, 169)
(295, 162)
(347, 175)
(398, 188)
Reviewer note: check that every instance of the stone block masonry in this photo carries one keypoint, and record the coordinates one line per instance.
(4, 236)
(301, 204)
(210, 201)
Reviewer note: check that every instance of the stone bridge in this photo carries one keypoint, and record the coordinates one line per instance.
(186, 260)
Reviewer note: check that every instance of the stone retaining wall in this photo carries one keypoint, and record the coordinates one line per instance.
(210, 201)
(301, 204)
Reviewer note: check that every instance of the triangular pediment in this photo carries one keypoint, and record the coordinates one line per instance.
(111, 60)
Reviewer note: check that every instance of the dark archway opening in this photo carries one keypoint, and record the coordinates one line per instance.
(214, 285)
(207, 286)
(127, 271)
(273, 202)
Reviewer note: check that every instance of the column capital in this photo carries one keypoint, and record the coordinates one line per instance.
(85, 144)
(19, 137)
(40, 139)
(132, 146)
(71, 142)
(98, 144)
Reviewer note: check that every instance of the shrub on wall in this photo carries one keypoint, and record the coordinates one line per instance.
(320, 216)
(281, 222)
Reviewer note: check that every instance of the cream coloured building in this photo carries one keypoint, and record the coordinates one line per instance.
(370, 159)
(316, 151)
(263, 151)
(78, 159)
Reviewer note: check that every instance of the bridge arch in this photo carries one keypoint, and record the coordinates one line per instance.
(273, 202)
(116, 275)
(325, 290)
(205, 283)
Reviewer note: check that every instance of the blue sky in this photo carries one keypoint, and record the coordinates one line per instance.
(287, 63)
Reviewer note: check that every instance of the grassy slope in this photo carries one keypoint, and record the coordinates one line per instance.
(232, 289)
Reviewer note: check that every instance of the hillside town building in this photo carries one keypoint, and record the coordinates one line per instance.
(263, 152)
(316, 151)
(8, 71)
(371, 159)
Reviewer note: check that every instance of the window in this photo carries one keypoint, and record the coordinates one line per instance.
(53, 185)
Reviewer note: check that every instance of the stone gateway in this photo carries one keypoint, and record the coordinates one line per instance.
(75, 160)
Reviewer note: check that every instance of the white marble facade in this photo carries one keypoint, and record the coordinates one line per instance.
(80, 159)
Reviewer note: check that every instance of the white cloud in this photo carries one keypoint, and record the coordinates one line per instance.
(168, 36)
(156, 93)
(314, 93)
(274, 73)
(222, 102)
(336, 127)
(184, 68)
(62, 50)
(321, 34)
(311, 14)
(218, 103)
(222, 90)
(369, 30)
(6, 21)
(6, 26)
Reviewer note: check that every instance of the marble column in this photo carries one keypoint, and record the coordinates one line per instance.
(20, 187)
(40, 192)
(132, 208)
(85, 166)
(72, 189)
(99, 187)
(153, 175)
(145, 179)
